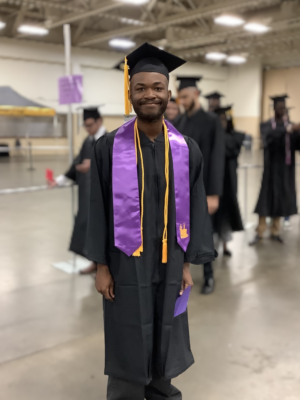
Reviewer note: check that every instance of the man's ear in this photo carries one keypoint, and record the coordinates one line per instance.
(169, 95)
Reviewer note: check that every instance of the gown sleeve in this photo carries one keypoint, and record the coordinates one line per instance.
(271, 137)
(233, 142)
(201, 247)
(217, 160)
(97, 232)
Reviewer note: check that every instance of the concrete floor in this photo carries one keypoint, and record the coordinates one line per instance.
(245, 337)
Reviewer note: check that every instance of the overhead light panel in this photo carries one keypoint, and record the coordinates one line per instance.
(215, 56)
(135, 2)
(2, 25)
(33, 30)
(255, 27)
(121, 43)
(229, 20)
(235, 59)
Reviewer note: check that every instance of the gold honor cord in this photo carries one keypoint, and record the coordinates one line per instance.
(128, 107)
(138, 148)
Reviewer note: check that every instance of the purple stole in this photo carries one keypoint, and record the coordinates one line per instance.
(126, 200)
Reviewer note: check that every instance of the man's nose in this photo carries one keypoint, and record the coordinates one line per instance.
(150, 93)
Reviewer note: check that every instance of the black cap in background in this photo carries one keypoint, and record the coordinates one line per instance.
(148, 58)
(214, 95)
(276, 99)
(91, 112)
(188, 81)
(223, 110)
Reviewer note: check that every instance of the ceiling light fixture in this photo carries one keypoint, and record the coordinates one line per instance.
(121, 43)
(235, 59)
(215, 56)
(2, 25)
(255, 27)
(229, 20)
(135, 2)
(33, 30)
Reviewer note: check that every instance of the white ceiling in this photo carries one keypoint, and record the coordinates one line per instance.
(183, 27)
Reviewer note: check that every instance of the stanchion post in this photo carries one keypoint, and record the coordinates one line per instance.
(245, 194)
(67, 43)
(31, 168)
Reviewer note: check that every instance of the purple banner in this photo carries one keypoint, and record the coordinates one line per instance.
(70, 89)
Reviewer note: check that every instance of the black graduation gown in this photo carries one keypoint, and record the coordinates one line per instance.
(83, 181)
(228, 215)
(205, 128)
(142, 338)
(277, 196)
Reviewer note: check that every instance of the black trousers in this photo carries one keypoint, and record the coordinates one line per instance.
(208, 271)
(118, 389)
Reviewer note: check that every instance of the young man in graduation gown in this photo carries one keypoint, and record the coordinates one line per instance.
(79, 172)
(205, 128)
(172, 113)
(277, 196)
(214, 100)
(148, 220)
(228, 218)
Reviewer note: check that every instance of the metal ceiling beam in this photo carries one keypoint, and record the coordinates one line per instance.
(187, 16)
(242, 45)
(110, 5)
(18, 20)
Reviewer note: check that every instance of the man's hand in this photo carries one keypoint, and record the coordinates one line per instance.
(52, 184)
(295, 127)
(84, 167)
(186, 278)
(213, 204)
(104, 282)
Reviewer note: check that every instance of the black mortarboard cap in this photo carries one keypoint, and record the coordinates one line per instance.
(188, 81)
(91, 112)
(222, 110)
(282, 97)
(214, 95)
(148, 58)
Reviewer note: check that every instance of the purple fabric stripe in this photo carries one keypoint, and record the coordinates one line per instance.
(180, 157)
(126, 200)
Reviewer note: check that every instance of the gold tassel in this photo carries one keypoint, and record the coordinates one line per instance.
(166, 206)
(164, 251)
(128, 106)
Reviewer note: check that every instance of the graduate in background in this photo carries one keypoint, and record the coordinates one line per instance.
(205, 128)
(277, 196)
(148, 220)
(228, 218)
(79, 172)
(214, 100)
(172, 113)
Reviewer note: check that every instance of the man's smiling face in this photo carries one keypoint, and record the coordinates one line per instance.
(149, 95)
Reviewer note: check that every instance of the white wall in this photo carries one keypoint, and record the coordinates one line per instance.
(245, 88)
(32, 69)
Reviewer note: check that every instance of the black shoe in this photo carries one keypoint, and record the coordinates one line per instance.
(208, 286)
(255, 241)
(227, 253)
(277, 238)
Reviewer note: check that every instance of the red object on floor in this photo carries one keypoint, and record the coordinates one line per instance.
(49, 175)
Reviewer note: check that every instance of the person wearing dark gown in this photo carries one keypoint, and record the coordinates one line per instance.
(79, 173)
(228, 218)
(172, 113)
(214, 100)
(138, 237)
(205, 128)
(277, 197)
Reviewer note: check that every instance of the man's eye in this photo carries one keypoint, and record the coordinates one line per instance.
(140, 89)
(159, 89)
